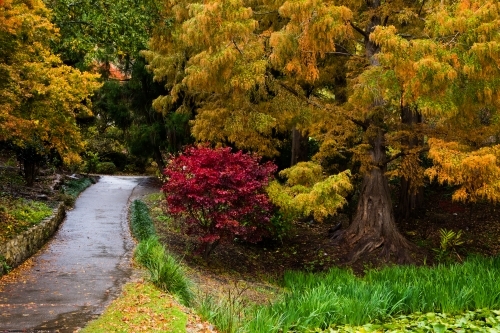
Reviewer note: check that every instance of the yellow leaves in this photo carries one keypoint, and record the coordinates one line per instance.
(313, 29)
(303, 173)
(43, 95)
(477, 173)
(315, 194)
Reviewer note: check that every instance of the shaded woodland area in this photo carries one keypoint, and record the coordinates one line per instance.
(289, 137)
(367, 108)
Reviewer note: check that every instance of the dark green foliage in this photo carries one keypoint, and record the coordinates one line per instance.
(165, 272)
(76, 186)
(140, 221)
(107, 168)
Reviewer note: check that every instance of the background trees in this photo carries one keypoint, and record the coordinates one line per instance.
(40, 97)
(374, 80)
(108, 37)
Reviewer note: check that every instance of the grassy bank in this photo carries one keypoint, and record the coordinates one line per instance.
(165, 271)
(339, 297)
(141, 308)
(458, 297)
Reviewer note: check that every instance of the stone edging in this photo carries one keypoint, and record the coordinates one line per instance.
(24, 245)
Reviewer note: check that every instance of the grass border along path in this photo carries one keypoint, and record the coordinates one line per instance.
(148, 306)
(165, 272)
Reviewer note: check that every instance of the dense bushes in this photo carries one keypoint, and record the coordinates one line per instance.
(165, 271)
(219, 195)
(72, 189)
(107, 168)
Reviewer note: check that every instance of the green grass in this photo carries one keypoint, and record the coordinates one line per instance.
(165, 271)
(140, 222)
(140, 308)
(18, 215)
(339, 297)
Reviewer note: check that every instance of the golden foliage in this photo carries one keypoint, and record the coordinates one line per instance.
(308, 191)
(477, 173)
(39, 96)
(252, 70)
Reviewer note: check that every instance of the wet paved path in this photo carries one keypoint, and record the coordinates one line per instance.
(82, 268)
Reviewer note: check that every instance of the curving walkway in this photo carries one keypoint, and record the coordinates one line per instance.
(82, 268)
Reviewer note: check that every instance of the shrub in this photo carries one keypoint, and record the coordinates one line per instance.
(221, 194)
(107, 168)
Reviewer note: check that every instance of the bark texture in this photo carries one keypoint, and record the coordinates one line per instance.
(374, 226)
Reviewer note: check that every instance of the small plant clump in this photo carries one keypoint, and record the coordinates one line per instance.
(220, 195)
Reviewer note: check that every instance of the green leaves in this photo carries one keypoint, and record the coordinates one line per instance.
(482, 320)
(103, 30)
(308, 192)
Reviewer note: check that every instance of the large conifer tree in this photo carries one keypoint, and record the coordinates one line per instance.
(383, 80)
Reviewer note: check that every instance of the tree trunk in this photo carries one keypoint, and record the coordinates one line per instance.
(300, 147)
(410, 199)
(374, 226)
(29, 170)
(158, 158)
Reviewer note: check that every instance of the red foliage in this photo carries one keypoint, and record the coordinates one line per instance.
(220, 194)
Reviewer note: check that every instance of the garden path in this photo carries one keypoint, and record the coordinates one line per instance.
(82, 268)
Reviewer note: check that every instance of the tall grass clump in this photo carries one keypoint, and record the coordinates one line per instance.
(165, 272)
(339, 297)
(140, 221)
(76, 186)
(227, 313)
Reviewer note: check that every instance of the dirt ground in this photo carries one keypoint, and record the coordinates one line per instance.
(254, 269)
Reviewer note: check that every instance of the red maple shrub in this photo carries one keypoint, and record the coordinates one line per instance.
(219, 194)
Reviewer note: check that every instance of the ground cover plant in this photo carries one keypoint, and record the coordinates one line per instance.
(76, 186)
(18, 215)
(482, 320)
(140, 308)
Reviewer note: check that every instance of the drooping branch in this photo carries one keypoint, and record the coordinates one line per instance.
(265, 13)
(363, 124)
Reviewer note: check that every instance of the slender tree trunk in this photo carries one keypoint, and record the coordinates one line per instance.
(410, 198)
(300, 147)
(29, 170)
(295, 146)
(158, 158)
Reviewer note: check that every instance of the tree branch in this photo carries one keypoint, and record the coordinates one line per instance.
(358, 29)
(362, 124)
(236, 45)
(402, 153)
(265, 13)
